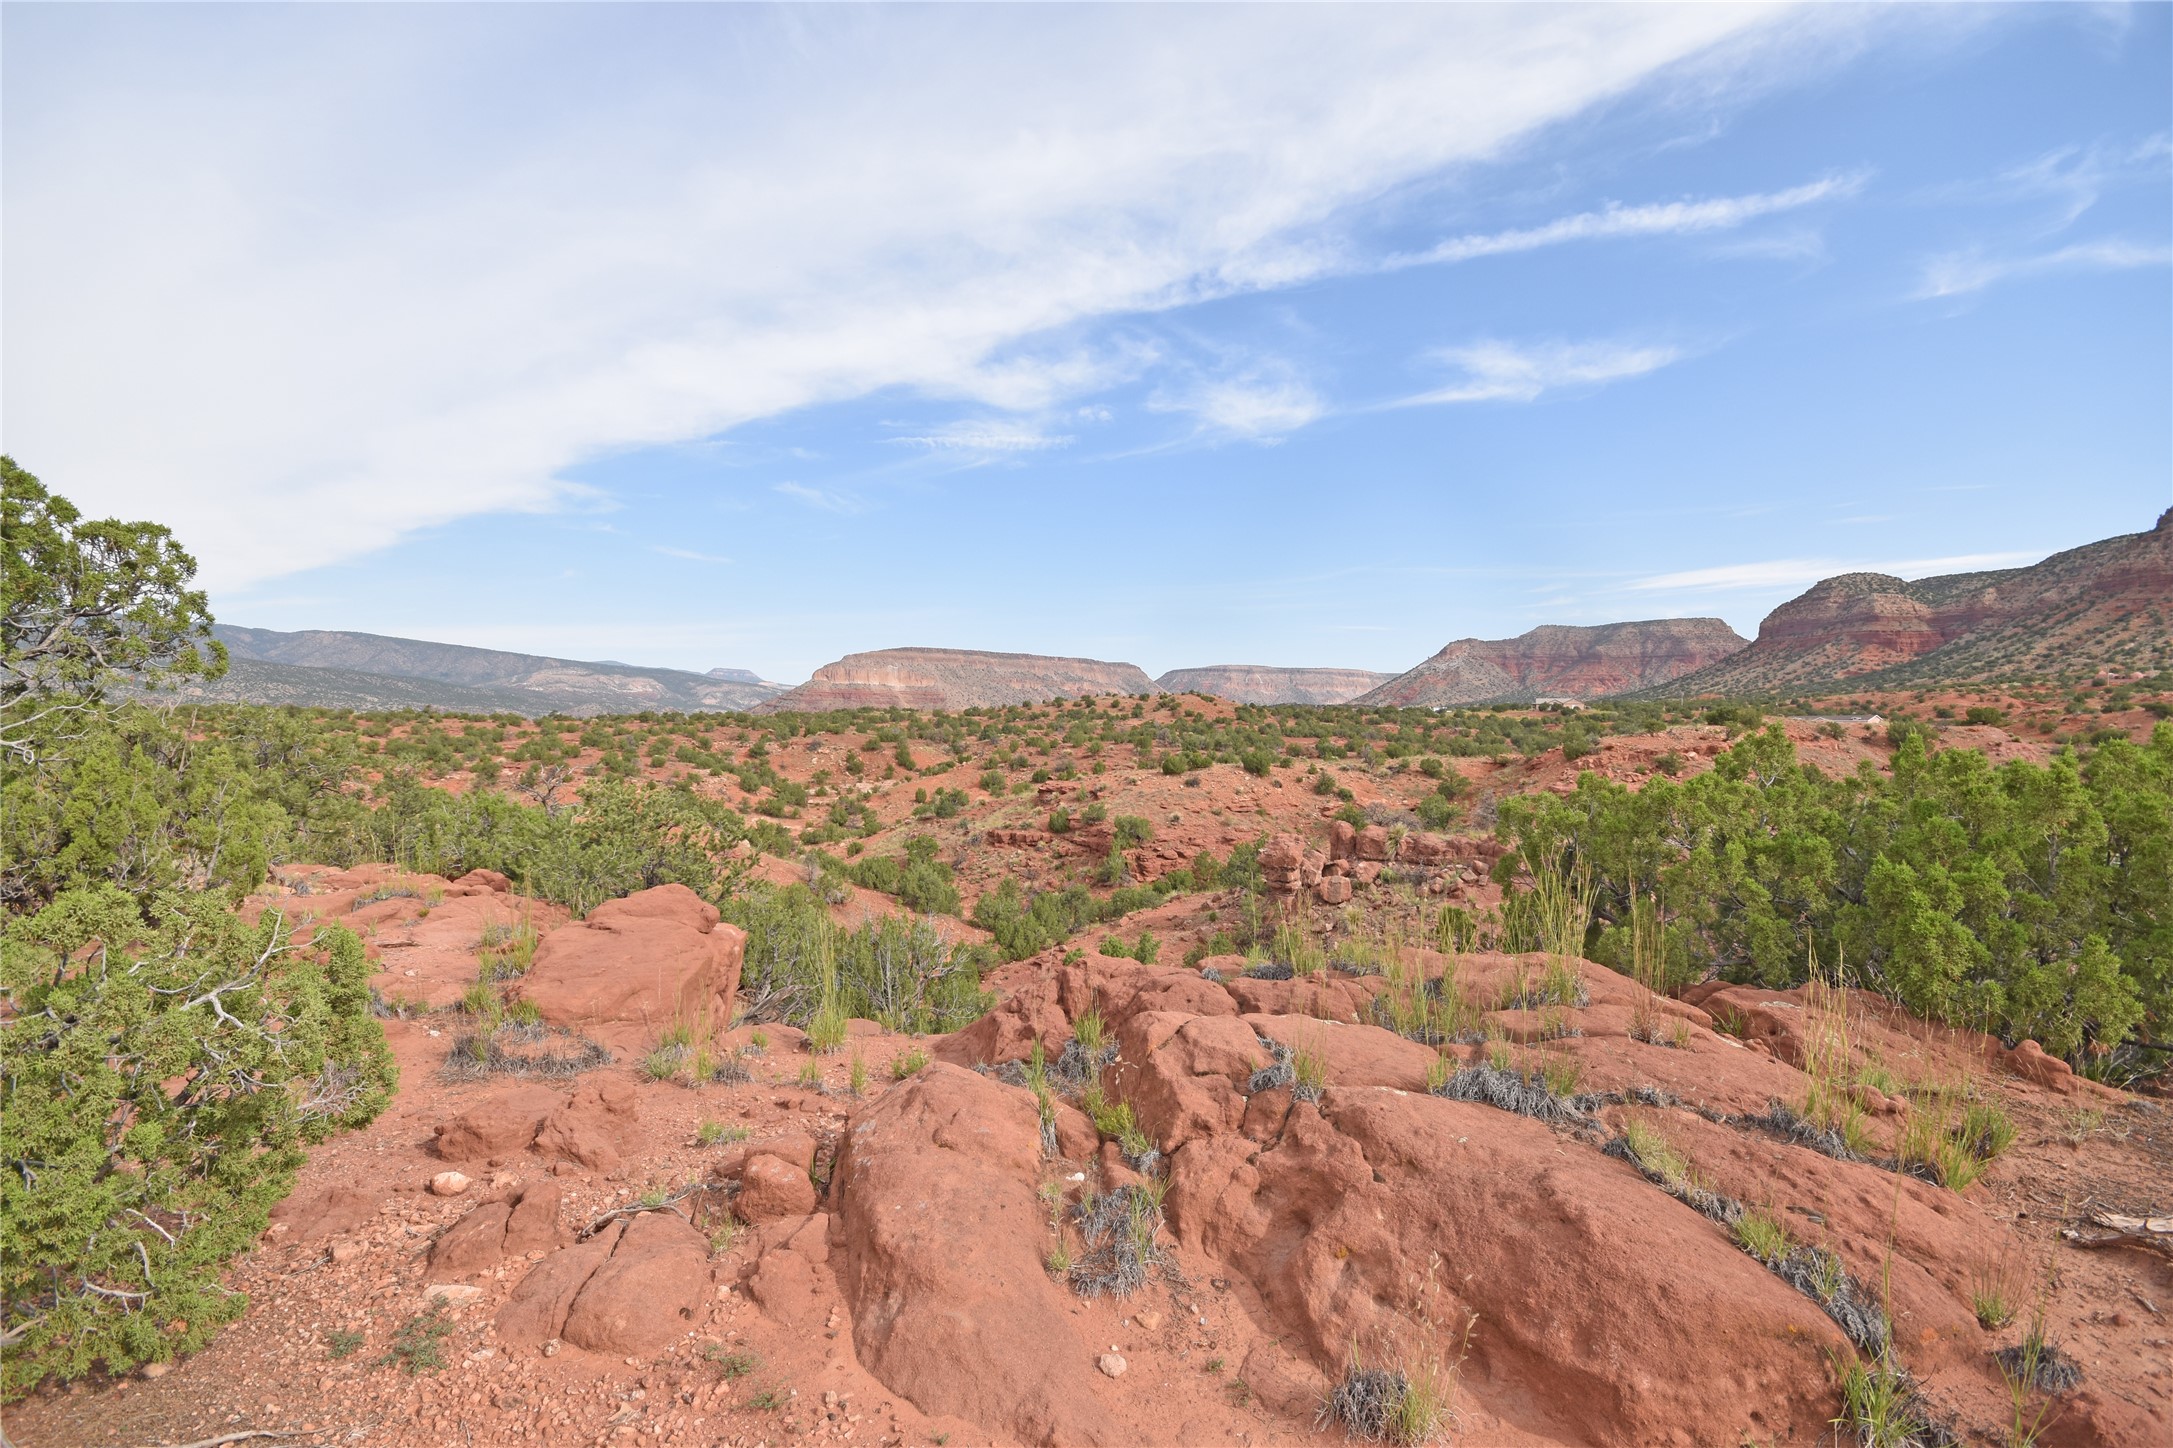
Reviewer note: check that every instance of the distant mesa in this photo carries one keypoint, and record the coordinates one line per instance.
(2107, 604)
(335, 669)
(955, 679)
(742, 676)
(1266, 684)
(1558, 661)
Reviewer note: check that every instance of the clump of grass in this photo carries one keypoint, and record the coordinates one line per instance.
(1878, 1404)
(419, 1346)
(1952, 1141)
(1510, 1090)
(856, 1076)
(506, 950)
(811, 1076)
(1995, 1287)
(341, 1343)
(723, 1236)
(718, 1133)
(1291, 946)
(1309, 1074)
(1088, 1031)
(1762, 1234)
(2034, 1368)
(492, 1050)
(1829, 1061)
(1117, 1232)
(913, 1061)
(663, 1063)
(1563, 1073)
(1650, 1146)
(730, 1364)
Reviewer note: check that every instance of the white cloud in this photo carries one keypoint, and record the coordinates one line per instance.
(988, 436)
(1265, 402)
(2071, 178)
(822, 499)
(1959, 273)
(299, 282)
(1801, 572)
(1506, 372)
(689, 554)
(1669, 218)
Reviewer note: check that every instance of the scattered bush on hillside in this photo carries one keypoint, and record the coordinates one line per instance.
(895, 971)
(2034, 899)
(163, 1077)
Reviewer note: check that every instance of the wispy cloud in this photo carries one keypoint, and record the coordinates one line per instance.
(1667, 218)
(1507, 372)
(984, 436)
(2071, 178)
(1263, 403)
(1960, 273)
(921, 199)
(689, 554)
(1796, 572)
(822, 499)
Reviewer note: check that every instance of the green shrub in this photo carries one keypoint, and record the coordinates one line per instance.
(1131, 831)
(124, 1195)
(2030, 898)
(898, 972)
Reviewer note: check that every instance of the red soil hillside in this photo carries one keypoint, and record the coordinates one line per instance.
(1555, 660)
(2107, 604)
(1266, 684)
(955, 679)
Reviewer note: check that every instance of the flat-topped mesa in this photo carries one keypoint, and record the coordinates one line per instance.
(1560, 661)
(2106, 604)
(955, 679)
(1267, 684)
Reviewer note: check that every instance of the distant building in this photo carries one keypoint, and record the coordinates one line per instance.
(1557, 703)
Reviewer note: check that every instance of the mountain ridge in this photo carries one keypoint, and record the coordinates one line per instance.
(1559, 660)
(339, 668)
(2103, 604)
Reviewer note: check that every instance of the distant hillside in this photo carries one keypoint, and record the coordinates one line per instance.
(1265, 684)
(333, 669)
(955, 679)
(2103, 605)
(1556, 660)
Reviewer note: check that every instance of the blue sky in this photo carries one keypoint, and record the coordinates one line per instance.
(751, 336)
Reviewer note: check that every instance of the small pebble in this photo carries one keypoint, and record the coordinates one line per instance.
(1111, 1365)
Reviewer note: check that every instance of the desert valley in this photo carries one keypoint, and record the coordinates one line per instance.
(981, 1048)
(1086, 726)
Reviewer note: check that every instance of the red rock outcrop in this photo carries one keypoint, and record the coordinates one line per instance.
(636, 965)
(955, 679)
(1267, 684)
(2076, 610)
(951, 1304)
(1555, 660)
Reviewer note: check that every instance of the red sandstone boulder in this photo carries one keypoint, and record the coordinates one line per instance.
(637, 965)
(524, 1222)
(939, 1252)
(1371, 843)
(1334, 890)
(771, 1188)
(644, 1295)
(1342, 840)
(329, 1213)
(536, 1311)
(490, 880)
(473, 1244)
(501, 1124)
(1575, 1264)
(594, 1126)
